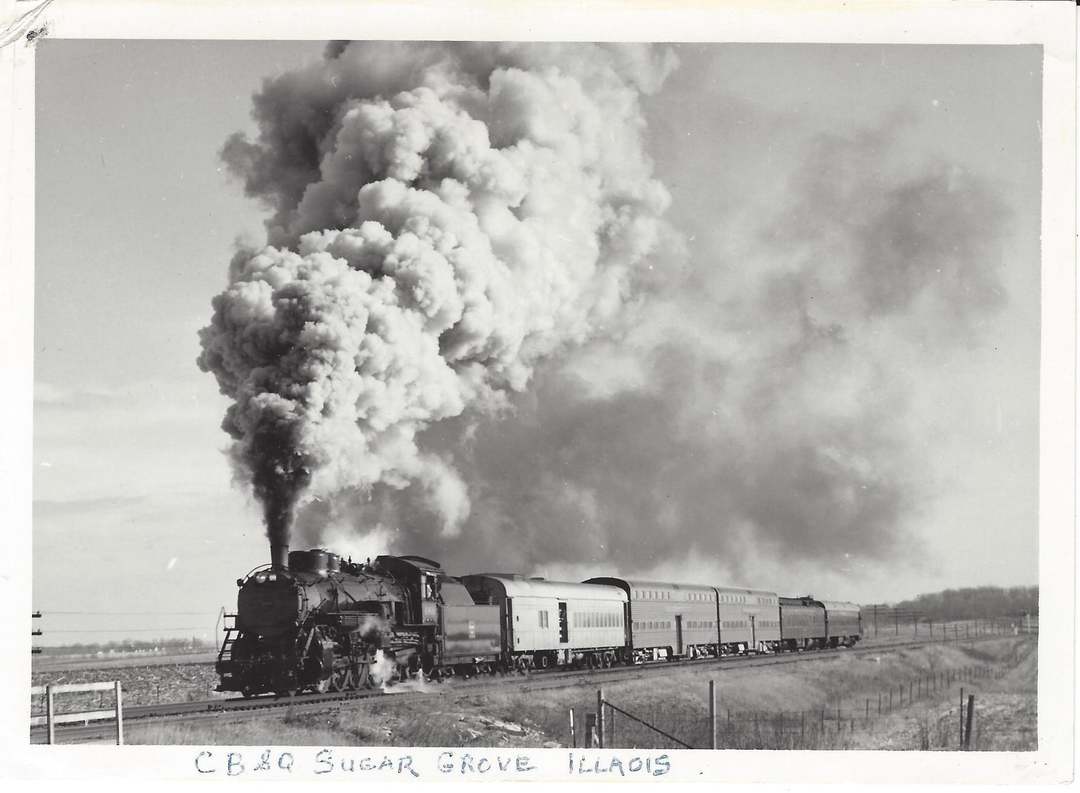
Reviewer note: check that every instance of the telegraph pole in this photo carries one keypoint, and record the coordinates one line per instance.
(35, 632)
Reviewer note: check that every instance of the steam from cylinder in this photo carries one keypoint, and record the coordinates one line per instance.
(445, 217)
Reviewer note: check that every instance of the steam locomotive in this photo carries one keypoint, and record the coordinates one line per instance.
(321, 623)
(311, 621)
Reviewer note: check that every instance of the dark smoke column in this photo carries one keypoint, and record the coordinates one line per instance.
(444, 218)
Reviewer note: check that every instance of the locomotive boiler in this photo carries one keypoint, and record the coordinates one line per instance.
(320, 623)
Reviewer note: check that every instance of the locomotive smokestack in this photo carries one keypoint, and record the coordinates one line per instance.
(279, 556)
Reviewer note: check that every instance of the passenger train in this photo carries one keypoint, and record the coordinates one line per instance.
(310, 621)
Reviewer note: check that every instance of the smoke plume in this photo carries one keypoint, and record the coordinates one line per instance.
(471, 335)
(444, 219)
(754, 417)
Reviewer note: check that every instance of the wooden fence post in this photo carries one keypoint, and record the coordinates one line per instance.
(600, 717)
(50, 724)
(970, 721)
(119, 715)
(590, 731)
(961, 717)
(712, 712)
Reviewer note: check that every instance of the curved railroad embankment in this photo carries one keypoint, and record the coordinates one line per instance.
(812, 700)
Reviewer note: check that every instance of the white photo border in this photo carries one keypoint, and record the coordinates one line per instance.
(1052, 25)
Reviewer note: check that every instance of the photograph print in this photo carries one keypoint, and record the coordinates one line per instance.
(504, 396)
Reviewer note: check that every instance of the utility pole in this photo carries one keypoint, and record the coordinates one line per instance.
(600, 717)
(712, 712)
(35, 632)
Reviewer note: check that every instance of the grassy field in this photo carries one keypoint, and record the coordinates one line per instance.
(59, 664)
(788, 706)
(142, 684)
(1005, 713)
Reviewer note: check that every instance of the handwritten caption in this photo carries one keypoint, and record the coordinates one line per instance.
(469, 764)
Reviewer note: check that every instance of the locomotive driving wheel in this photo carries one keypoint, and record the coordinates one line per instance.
(340, 678)
(363, 677)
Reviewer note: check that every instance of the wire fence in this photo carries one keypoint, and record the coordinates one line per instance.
(884, 623)
(834, 725)
(143, 685)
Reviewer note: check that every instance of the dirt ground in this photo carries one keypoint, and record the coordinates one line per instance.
(829, 702)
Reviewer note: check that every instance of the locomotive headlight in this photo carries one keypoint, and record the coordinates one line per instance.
(260, 578)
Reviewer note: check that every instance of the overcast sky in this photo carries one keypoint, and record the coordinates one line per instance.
(812, 167)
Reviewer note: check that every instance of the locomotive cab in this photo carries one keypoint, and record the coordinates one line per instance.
(419, 575)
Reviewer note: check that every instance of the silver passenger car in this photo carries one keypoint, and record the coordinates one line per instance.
(669, 620)
(843, 623)
(555, 622)
(749, 619)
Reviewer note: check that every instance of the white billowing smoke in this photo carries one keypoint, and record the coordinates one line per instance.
(445, 217)
(344, 540)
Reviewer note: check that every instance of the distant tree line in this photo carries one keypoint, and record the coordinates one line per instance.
(164, 646)
(974, 603)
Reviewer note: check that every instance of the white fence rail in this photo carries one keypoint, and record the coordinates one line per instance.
(51, 718)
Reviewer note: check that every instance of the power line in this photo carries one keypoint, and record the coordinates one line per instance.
(47, 612)
(128, 630)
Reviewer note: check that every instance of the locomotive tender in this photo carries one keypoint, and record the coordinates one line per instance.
(320, 623)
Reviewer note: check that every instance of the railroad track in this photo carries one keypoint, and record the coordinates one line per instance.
(218, 709)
